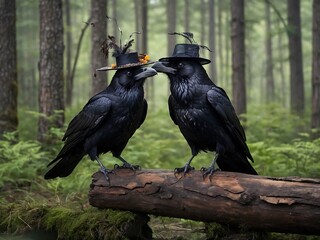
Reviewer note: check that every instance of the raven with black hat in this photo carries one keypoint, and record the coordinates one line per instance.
(203, 111)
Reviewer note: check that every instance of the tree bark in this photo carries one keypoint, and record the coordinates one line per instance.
(186, 18)
(69, 80)
(51, 89)
(171, 15)
(315, 118)
(98, 35)
(238, 56)
(295, 52)
(8, 69)
(288, 205)
(137, 11)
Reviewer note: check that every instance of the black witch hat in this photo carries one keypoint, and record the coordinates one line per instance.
(186, 51)
(124, 58)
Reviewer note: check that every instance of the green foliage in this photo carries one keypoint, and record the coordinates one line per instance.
(20, 161)
(67, 222)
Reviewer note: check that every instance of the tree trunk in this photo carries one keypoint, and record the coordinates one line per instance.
(315, 119)
(220, 47)
(212, 41)
(186, 17)
(137, 23)
(98, 35)
(238, 56)
(8, 69)
(295, 49)
(171, 16)
(51, 67)
(203, 7)
(283, 97)
(270, 89)
(262, 203)
(69, 80)
(115, 16)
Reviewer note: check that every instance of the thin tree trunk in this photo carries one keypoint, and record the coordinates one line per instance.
(115, 16)
(270, 89)
(220, 46)
(51, 100)
(281, 68)
(8, 69)
(295, 49)
(138, 24)
(238, 56)
(203, 7)
(69, 81)
(213, 68)
(186, 17)
(227, 46)
(98, 35)
(263, 203)
(315, 118)
(171, 15)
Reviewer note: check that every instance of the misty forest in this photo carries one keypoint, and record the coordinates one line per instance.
(264, 53)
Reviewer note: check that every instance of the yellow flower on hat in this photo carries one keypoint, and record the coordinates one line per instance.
(113, 65)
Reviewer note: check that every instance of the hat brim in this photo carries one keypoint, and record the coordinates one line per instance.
(203, 61)
(108, 68)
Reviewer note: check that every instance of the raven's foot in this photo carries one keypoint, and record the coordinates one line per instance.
(106, 173)
(183, 170)
(208, 171)
(127, 165)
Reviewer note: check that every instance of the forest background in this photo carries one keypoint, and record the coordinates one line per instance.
(276, 64)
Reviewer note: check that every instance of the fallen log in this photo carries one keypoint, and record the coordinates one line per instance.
(283, 204)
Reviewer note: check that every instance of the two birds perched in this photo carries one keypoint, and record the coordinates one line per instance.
(202, 111)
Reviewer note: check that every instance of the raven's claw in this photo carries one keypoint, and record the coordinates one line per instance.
(186, 168)
(127, 165)
(106, 172)
(208, 171)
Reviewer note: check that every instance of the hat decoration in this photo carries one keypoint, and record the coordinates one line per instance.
(187, 51)
(124, 57)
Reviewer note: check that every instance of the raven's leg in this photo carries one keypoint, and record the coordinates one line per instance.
(93, 154)
(103, 169)
(209, 171)
(126, 164)
(186, 168)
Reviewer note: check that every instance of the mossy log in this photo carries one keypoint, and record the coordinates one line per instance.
(286, 204)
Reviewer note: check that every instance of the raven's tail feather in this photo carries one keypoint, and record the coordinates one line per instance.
(235, 163)
(64, 166)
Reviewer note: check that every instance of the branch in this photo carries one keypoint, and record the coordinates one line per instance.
(83, 30)
(288, 205)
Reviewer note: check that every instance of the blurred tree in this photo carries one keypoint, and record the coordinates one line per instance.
(137, 15)
(69, 80)
(270, 91)
(98, 35)
(186, 17)
(50, 67)
(212, 41)
(115, 16)
(171, 16)
(219, 48)
(315, 119)
(8, 69)
(295, 49)
(238, 56)
(203, 7)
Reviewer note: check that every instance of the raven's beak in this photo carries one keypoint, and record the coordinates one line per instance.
(162, 67)
(145, 73)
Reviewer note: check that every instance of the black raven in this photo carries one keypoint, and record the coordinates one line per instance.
(205, 116)
(106, 123)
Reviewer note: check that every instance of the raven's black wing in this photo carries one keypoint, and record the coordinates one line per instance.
(144, 113)
(221, 104)
(82, 125)
(171, 112)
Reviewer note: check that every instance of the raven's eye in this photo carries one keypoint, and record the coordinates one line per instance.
(180, 65)
(129, 74)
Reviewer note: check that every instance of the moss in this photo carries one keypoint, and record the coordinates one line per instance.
(69, 223)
